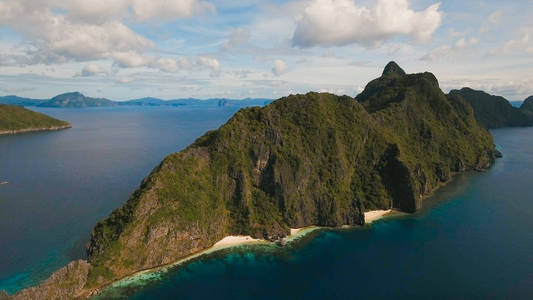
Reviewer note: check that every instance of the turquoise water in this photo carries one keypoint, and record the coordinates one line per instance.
(61, 183)
(472, 240)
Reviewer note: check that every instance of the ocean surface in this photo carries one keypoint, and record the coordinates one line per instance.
(61, 183)
(472, 240)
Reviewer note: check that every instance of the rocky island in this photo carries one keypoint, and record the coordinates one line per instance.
(495, 111)
(314, 159)
(15, 119)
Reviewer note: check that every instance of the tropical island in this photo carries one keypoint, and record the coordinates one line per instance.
(15, 119)
(304, 160)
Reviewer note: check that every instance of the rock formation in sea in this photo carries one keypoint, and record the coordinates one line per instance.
(313, 159)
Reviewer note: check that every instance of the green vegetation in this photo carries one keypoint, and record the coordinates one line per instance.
(436, 135)
(314, 159)
(76, 100)
(494, 111)
(527, 107)
(15, 118)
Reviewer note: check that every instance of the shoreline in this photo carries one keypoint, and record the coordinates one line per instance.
(227, 242)
(231, 241)
(27, 130)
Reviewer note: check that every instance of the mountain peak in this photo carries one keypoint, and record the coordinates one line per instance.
(393, 68)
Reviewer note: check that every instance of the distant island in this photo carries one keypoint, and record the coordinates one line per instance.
(78, 100)
(491, 111)
(496, 111)
(315, 159)
(15, 119)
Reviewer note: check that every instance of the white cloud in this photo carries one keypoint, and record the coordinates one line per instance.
(447, 52)
(280, 67)
(341, 22)
(80, 30)
(169, 9)
(210, 63)
(129, 59)
(56, 38)
(91, 70)
(237, 37)
(513, 45)
(142, 10)
(94, 10)
(132, 59)
(166, 64)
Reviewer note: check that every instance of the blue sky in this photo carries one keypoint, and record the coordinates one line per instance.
(125, 49)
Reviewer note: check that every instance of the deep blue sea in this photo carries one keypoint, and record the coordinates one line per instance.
(472, 240)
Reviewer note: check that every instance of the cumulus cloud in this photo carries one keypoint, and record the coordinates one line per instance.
(129, 59)
(80, 30)
(342, 22)
(446, 52)
(280, 67)
(210, 63)
(92, 70)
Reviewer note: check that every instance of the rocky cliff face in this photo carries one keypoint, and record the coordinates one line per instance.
(435, 135)
(314, 159)
(493, 111)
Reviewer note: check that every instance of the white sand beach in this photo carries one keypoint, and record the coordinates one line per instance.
(371, 216)
(233, 240)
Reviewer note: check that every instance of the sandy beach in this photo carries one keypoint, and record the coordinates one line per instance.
(371, 216)
(233, 240)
